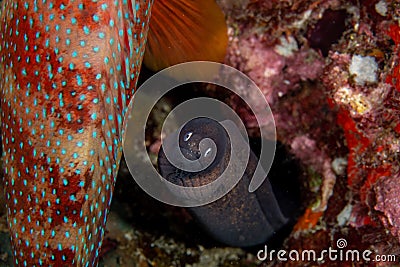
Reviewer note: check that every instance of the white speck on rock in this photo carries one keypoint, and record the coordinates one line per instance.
(344, 216)
(300, 23)
(269, 72)
(339, 166)
(287, 47)
(364, 69)
(129, 235)
(381, 8)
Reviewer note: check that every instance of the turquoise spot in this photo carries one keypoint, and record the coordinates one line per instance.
(78, 80)
(95, 18)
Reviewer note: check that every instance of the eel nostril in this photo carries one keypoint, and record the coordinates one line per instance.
(197, 154)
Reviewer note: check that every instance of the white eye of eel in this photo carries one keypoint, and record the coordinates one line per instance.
(187, 136)
(208, 151)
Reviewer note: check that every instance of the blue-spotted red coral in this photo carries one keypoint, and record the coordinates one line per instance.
(67, 71)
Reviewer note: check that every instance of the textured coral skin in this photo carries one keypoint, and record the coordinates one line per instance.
(329, 116)
(373, 146)
(67, 71)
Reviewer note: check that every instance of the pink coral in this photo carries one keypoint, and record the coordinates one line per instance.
(326, 108)
(388, 202)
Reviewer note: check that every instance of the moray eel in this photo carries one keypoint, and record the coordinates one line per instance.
(67, 72)
(239, 218)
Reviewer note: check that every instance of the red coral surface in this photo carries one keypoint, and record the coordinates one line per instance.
(325, 112)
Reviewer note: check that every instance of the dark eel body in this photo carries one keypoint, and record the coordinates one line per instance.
(239, 218)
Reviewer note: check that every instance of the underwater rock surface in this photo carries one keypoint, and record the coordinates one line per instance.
(330, 71)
